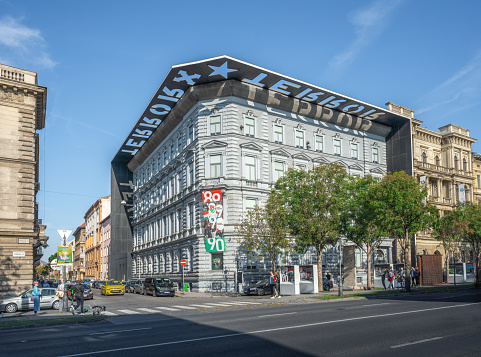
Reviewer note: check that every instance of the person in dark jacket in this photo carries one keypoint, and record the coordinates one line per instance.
(78, 293)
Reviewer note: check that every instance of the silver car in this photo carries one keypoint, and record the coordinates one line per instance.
(22, 301)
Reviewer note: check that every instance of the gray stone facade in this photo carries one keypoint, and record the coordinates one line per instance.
(22, 113)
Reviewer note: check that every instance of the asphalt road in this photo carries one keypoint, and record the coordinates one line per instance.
(435, 324)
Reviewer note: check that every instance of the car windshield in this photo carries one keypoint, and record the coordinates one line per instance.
(86, 286)
(26, 293)
(113, 282)
(262, 282)
(161, 281)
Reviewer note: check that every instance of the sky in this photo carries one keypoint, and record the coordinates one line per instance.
(102, 61)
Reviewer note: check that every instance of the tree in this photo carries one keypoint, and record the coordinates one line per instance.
(360, 221)
(403, 208)
(263, 231)
(472, 231)
(314, 201)
(449, 229)
(52, 257)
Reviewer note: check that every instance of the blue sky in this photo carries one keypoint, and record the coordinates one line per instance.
(103, 60)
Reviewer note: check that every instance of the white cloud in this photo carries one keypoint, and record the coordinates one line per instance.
(23, 46)
(462, 88)
(368, 24)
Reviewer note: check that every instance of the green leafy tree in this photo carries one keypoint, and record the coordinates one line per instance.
(403, 208)
(449, 230)
(314, 201)
(263, 231)
(360, 221)
(52, 257)
(472, 231)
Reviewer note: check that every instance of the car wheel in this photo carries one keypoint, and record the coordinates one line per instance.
(55, 305)
(172, 295)
(11, 308)
(261, 292)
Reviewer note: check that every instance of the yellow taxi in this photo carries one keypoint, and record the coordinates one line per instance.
(112, 287)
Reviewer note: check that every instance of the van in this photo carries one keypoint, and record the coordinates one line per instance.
(158, 287)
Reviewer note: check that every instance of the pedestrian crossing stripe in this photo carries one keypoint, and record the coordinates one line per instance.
(250, 303)
(108, 313)
(129, 312)
(184, 307)
(234, 303)
(146, 310)
(216, 304)
(204, 306)
(166, 308)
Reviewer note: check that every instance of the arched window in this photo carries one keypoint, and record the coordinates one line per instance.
(456, 162)
(437, 160)
(465, 165)
(424, 157)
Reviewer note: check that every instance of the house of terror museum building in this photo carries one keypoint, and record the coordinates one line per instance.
(210, 144)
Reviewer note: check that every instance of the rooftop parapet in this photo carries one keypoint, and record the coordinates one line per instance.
(16, 74)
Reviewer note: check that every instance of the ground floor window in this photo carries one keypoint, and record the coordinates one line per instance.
(217, 261)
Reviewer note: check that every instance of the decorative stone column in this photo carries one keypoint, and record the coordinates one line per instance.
(349, 257)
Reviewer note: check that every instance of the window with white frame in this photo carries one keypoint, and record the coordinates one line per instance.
(278, 134)
(191, 173)
(216, 165)
(250, 126)
(250, 167)
(299, 139)
(191, 133)
(250, 203)
(215, 125)
(375, 154)
(319, 143)
(337, 147)
(172, 151)
(190, 214)
(278, 170)
(354, 151)
(179, 144)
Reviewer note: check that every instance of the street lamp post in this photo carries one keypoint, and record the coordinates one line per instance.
(340, 268)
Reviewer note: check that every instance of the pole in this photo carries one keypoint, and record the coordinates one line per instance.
(340, 268)
(64, 273)
(183, 289)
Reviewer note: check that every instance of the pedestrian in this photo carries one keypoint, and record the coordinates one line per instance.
(417, 276)
(60, 293)
(278, 284)
(36, 294)
(400, 279)
(390, 278)
(328, 276)
(383, 278)
(45, 284)
(78, 293)
(272, 284)
(412, 274)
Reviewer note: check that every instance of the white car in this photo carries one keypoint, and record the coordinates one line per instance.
(22, 301)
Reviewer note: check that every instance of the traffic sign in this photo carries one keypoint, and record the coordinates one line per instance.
(183, 262)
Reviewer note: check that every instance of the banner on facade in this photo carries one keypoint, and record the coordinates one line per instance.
(462, 193)
(213, 221)
(422, 181)
(64, 255)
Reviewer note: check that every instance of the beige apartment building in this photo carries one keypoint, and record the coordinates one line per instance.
(22, 235)
(93, 219)
(445, 160)
(477, 177)
(79, 253)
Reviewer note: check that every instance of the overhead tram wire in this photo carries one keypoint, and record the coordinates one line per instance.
(66, 193)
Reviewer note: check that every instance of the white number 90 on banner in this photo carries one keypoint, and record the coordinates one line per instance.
(214, 244)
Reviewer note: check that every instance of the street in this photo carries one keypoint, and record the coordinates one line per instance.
(441, 324)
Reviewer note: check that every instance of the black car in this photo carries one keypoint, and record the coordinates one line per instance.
(129, 286)
(261, 287)
(158, 287)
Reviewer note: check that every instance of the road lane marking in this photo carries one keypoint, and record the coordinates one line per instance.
(285, 313)
(416, 342)
(166, 308)
(383, 303)
(216, 304)
(203, 306)
(107, 332)
(129, 312)
(108, 313)
(250, 303)
(184, 307)
(147, 310)
(270, 330)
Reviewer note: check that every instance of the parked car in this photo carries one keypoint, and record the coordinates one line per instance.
(129, 286)
(98, 284)
(88, 293)
(22, 301)
(158, 287)
(139, 287)
(261, 287)
(112, 287)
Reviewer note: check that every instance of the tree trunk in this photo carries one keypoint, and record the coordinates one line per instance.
(405, 251)
(319, 269)
(446, 265)
(369, 258)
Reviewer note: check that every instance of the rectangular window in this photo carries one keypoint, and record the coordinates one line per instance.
(217, 261)
(354, 151)
(250, 203)
(191, 133)
(375, 155)
(172, 152)
(215, 165)
(319, 143)
(478, 180)
(278, 170)
(337, 147)
(191, 173)
(215, 125)
(250, 167)
(299, 139)
(278, 134)
(250, 127)
(191, 214)
(179, 144)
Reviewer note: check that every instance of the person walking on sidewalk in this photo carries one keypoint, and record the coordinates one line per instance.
(36, 294)
(383, 278)
(272, 284)
(391, 279)
(60, 293)
(78, 293)
(412, 273)
(278, 284)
